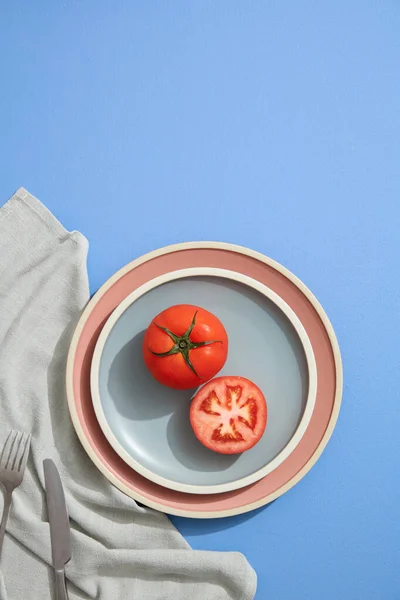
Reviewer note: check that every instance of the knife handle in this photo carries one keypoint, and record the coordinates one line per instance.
(61, 589)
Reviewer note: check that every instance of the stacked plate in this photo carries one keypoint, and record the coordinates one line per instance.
(137, 432)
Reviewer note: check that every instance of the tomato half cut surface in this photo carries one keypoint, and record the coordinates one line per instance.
(229, 414)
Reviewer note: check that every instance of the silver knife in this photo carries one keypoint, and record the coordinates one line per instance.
(59, 526)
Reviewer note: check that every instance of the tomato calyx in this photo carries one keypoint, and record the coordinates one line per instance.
(183, 344)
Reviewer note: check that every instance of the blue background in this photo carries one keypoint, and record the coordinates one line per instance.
(271, 124)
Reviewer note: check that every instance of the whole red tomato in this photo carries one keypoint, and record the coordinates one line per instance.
(229, 414)
(185, 346)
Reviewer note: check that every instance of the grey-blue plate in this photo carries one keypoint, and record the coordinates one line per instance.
(148, 424)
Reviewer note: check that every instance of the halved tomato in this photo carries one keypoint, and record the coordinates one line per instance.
(184, 346)
(229, 414)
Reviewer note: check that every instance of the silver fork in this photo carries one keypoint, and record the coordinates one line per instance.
(12, 466)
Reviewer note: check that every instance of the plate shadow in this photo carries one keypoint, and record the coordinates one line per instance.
(129, 378)
(187, 448)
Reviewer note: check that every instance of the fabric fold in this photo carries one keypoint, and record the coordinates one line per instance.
(120, 550)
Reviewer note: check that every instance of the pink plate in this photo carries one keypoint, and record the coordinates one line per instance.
(290, 289)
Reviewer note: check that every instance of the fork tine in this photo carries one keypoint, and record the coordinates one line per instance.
(6, 449)
(9, 448)
(24, 457)
(14, 451)
(9, 456)
(19, 451)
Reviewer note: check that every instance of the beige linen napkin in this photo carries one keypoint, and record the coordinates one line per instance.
(120, 550)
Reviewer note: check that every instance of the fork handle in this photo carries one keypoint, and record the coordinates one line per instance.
(6, 510)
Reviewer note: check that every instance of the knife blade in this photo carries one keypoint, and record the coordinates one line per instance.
(60, 533)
